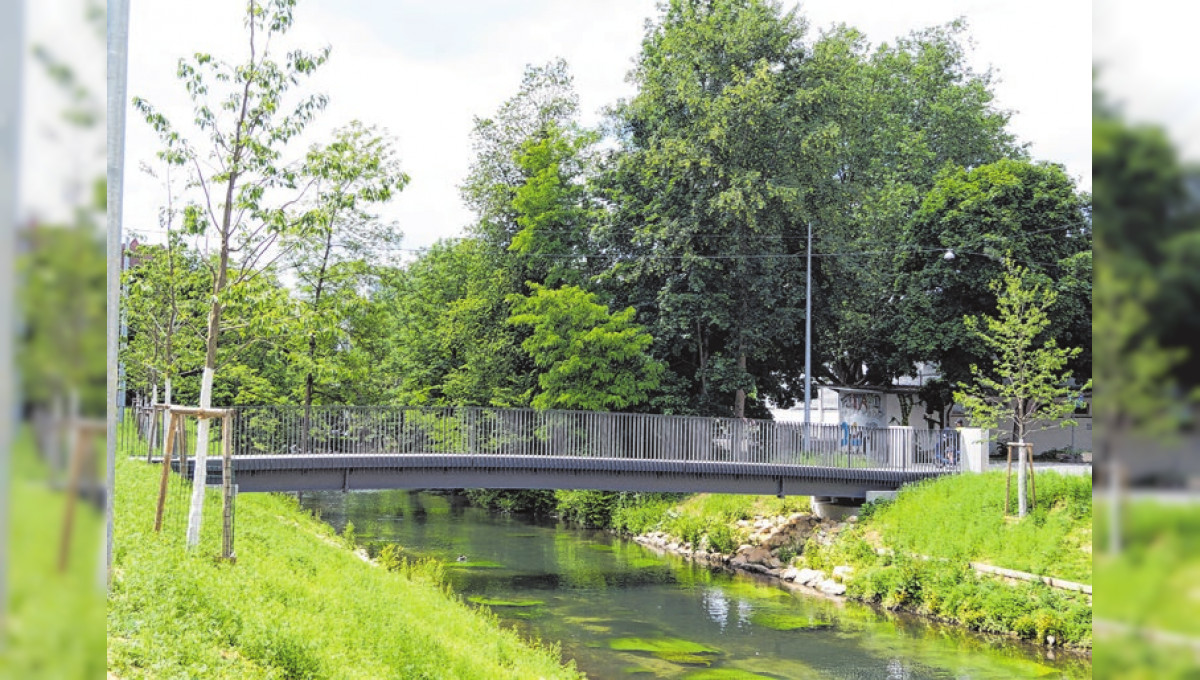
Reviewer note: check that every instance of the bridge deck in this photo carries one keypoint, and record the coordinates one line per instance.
(312, 472)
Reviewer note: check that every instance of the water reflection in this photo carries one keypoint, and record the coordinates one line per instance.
(617, 608)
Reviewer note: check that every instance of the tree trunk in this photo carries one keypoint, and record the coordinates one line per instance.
(310, 379)
(206, 383)
(1021, 499)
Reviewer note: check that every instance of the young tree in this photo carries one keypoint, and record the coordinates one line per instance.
(1027, 383)
(165, 288)
(245, 123)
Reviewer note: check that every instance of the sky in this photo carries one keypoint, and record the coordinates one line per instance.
(1145, 53)
(423, 70)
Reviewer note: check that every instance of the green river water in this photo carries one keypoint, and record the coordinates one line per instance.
(620, 610)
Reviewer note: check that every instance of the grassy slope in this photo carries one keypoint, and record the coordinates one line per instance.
(53, 628)
(296, 605)
(958, 518)
(962, 517)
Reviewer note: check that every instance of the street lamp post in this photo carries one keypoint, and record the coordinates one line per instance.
(808, 331)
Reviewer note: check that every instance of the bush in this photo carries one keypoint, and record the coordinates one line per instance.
(590, 508)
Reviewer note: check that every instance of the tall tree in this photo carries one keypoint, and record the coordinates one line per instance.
(546, 98)
(956, 243)
(718, 152)
(903, 111)
(238, 169)
(337, 258)
(450, 342)
(591, 359)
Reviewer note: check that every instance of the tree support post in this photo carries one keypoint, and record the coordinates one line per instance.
(168, 449)
(227, 487)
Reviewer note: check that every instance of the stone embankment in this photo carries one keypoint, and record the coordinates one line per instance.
(770, 549)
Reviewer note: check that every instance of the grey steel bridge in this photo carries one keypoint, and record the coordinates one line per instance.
(394, 447)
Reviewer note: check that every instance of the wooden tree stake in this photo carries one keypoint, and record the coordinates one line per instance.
(166, 471)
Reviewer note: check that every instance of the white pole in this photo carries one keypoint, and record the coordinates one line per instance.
(808, 332)
(118, 50)
(11, 48)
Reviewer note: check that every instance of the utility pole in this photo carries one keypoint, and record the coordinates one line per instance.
(808, 333)
(11, 48)
(118, 52)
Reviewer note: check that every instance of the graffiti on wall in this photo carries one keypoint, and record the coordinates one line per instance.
(864, 409)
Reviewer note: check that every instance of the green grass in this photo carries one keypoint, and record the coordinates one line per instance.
(1155, 580)
(961, 517)
(297, 604)
(53, 626)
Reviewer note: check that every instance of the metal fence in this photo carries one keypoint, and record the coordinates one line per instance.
(334, 430)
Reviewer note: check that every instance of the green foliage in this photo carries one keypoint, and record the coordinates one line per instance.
(934, 528)
(271, 616)
(337, 258)
(1029, 213)
(61, 299)
(536, 501)
(960, 518)
(350, 536)
(1026, 383)
(591, 360)
(391, 557)
(590, 508)
(951, 591)
(449, 341)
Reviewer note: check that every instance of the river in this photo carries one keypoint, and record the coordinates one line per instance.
(620, 610)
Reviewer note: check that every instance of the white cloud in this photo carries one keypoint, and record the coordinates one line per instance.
(1145, 52)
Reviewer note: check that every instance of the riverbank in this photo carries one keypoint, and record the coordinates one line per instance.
(914, 554)
(298, 603)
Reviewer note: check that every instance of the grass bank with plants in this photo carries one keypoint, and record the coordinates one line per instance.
(934, 529)
(911, 554)
(298, 603)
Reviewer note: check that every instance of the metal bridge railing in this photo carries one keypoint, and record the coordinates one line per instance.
(334, 430)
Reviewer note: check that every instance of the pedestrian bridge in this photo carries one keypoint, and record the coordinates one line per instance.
(394, 447)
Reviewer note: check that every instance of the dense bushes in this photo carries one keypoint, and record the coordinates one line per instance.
(951, 591)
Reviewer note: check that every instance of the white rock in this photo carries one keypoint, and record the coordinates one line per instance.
(842, 573)
(831, 587)
(789, 574)
(809, 576)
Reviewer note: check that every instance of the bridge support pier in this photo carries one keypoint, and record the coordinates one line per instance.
(835, 507)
